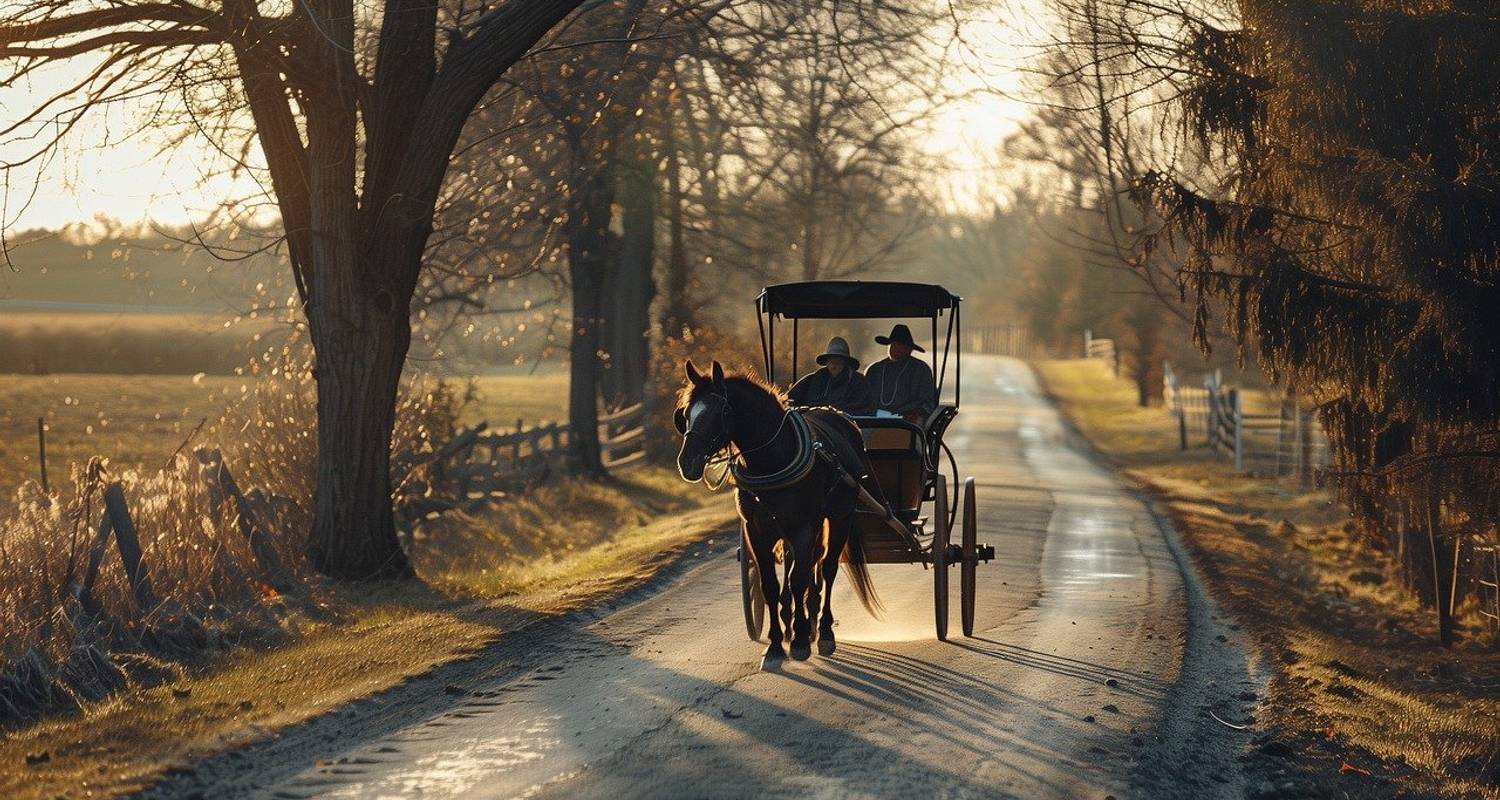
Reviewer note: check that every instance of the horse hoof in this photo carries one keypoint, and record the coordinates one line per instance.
(773, 658)
(801, 652)
(826, 645)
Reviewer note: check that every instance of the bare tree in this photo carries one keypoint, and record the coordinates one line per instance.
(357, 109)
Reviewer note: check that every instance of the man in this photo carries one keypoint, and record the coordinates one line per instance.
(836, 383)
(902, 384)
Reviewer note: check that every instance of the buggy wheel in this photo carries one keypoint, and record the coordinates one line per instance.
(942, 534)
(750, 595)
(970, 558)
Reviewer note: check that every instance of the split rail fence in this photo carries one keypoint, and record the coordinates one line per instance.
(526, 454)
(477, 463)
(1102, 349)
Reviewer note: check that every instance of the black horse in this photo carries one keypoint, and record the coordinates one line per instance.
(787, 493)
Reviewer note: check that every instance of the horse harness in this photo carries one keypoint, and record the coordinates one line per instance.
(811, 448)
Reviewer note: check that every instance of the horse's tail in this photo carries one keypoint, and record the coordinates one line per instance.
(859, 571)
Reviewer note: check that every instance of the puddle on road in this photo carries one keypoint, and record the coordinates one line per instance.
(458, 767)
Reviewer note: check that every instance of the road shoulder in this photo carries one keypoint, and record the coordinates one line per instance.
(1356, 703)
(1198, 746)
(406, 640)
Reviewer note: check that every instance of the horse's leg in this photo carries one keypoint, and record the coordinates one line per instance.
(838, 536)
(802, 570)
(786, 586)
(815, 591)
(762, 542)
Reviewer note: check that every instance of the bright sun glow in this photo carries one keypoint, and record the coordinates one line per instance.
(107, 169)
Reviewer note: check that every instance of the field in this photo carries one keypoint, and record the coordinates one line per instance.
(503, 397)
(484, 571)
(140, 420)
(1363, 702)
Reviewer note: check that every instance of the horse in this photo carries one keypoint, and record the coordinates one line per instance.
(805, 508)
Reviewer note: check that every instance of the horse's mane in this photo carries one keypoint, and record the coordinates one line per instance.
(747, 380)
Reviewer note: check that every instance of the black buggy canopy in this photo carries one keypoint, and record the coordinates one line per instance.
(855, 300)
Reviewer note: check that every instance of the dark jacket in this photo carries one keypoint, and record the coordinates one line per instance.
(903, 388)
(849, 393)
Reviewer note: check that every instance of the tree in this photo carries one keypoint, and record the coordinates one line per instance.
(587, 92)
(1352, 237)
(819, 181)
(357, 112)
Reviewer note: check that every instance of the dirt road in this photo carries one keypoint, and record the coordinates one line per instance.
(1095, 666)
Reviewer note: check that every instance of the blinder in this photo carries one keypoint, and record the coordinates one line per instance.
(725, 412)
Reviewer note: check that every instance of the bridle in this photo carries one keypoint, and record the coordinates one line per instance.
(723, 450)
(726, 421)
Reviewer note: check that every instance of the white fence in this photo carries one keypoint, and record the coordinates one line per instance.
(1102, 349)
(1287, 444)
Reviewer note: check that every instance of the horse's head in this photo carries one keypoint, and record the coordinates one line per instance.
(703, 419)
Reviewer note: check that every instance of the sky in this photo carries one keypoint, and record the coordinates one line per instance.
(100, 172)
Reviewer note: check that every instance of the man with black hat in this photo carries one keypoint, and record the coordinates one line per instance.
(836, 383)
(902, 384)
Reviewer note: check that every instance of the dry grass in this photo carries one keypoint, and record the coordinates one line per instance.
(67, 638)
(382, 635)
(502, 397)
(1362, 703)
(124, 695)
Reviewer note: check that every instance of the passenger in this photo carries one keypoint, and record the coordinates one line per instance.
(902, 384)
(836, 383)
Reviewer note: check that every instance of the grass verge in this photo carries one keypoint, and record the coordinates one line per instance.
(487, 574)
(1362, 702)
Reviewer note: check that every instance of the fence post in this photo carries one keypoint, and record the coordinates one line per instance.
(1296, 446)
(1239, 428)
(515, 447)
(41, 450)
(1088, 338)
(129, 545)
(1305, 449)
(1442, 583)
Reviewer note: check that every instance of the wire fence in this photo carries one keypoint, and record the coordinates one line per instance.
(1487, 579)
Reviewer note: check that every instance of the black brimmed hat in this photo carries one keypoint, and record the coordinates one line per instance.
(838, 347)
(901, 334)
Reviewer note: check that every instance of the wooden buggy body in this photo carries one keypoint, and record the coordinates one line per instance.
(907, 457)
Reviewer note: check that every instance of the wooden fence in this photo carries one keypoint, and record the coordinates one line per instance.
(478, 461)
(1002, 340)
(468, 468)
(1288, 444)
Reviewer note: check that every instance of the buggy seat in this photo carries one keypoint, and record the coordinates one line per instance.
(898, 454)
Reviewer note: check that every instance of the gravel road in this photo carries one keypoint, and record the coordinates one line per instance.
(1096, 669)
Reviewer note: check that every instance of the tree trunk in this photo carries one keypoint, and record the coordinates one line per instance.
(676, 315)
(360, 334)
(361, 345)
(588, 242)
(630, 286)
